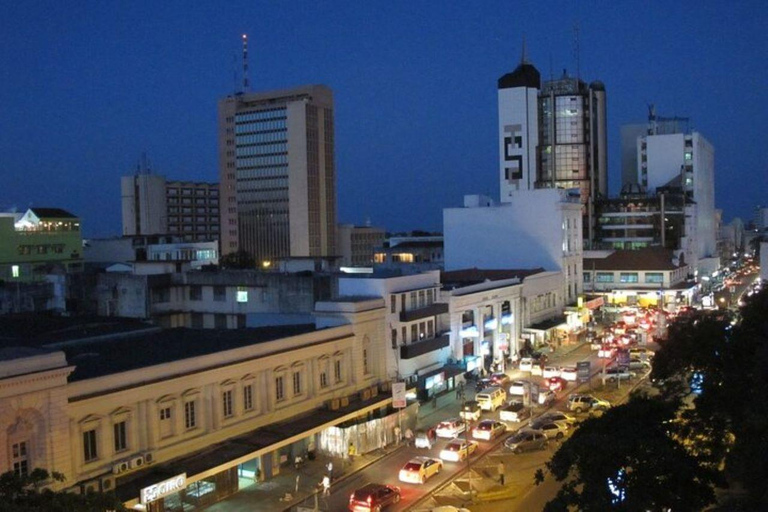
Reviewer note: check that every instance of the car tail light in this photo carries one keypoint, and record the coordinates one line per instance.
(370, 500)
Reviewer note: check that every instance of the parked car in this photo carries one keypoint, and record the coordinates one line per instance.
(517, 387)
(450, 428)
(458, 450)
(555, 384)
(500, 379)
(581, 403)
(526, 364)
(470, 411)
(550, 371)
(419, 469)
(618, 373)
(488, 430)
(546, 397)
(526, 440)
(638, 351)
(514, 412)
(554, 417)
(636, 363)
(569, 373)
(553, 429)
(374, 497)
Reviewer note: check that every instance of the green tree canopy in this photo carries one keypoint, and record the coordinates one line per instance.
(237, 260)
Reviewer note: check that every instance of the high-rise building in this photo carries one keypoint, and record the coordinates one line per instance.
(552, 135)
(153, 205)
(277, 173)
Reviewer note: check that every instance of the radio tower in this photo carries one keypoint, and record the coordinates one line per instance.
(246, 85)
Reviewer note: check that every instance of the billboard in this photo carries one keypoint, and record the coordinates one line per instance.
(398, 395)
(583, 370)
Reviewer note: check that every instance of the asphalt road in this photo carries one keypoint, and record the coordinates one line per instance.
(386, 470)
(726, 298)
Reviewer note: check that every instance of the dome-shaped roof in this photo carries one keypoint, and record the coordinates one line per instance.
(525, 75)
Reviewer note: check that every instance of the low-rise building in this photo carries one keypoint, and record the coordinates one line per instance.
(357, 244)
(411, 253)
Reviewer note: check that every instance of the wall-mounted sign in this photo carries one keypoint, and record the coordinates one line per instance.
(398, 395)
(582, 371)
(164, 488)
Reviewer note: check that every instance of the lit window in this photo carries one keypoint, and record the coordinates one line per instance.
(242, 294)
(15, 270)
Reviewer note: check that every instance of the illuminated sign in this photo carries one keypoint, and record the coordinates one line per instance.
(398, 395)
(164, 488)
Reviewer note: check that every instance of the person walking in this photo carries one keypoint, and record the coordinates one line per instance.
(408, 436)
(326, 485)
(501, 469)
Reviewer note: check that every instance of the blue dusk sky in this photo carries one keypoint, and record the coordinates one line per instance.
(87, 87)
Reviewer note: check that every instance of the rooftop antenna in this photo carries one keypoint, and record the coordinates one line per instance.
(576, 49)
(524, 54)
(246, 85)
(551, 69)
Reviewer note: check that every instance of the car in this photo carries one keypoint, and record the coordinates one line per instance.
(526, 440)
(517, 387)
(499, 379)
(458, 450)
(560, 417)
(470, 411)
(639, 351)
(450, 428)
(618, 373)
(546, 397)
(483, 384)
(488, 430)
(514, 412)
(374, 497)
(636, 363)
(606, 352)
(423, 439)
(536, 369)
(448, 508)
(569, 373)
(550, 371)
(581, 403)
(526, 364)
(419, 469)
(553, 429)
(555, 383)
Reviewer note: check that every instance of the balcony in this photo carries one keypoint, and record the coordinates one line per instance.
(434, 309)
(423, 346)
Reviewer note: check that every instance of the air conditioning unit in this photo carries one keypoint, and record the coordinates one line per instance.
(345, 401)
(149, 457)
(137, 462)
(365, 394)
(107, 483)
(120, 467)
(90, 487)
(333, 404)
(375, 391)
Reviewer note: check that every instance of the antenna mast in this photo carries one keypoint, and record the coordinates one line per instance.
(576, 49)
(246, 85)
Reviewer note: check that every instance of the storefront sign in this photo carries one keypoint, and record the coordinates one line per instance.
(164, 488)
(583, 370)
(473, 362)
(398, 395)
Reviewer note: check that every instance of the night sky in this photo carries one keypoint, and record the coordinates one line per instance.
(86, 87)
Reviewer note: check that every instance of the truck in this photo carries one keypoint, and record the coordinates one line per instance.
(514, 412)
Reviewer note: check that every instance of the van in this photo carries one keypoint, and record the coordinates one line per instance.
(491, 399)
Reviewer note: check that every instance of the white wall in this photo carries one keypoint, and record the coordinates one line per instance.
(518, 106)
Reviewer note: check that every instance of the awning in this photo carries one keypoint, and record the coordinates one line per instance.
(546, 325)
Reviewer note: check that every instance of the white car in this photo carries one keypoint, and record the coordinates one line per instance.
(550, 371)
(526, 364)
(569, 373)
(458, 450)
(536, 370)
(546, 396)
(488, 429)
(517, 387)
(419, 469)
(450, 428)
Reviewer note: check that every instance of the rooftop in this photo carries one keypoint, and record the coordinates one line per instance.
(52, 213)
(469, 276)
(648, 258)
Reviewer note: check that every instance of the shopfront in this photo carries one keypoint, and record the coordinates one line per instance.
(175, 494)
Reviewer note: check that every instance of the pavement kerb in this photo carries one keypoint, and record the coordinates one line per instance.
(497, 495)
(344, 476)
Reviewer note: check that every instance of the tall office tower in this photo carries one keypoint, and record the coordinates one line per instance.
(558, 128)
(278, 177)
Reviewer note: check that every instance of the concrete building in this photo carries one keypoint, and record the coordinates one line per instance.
(277, 173)
(538, 228)
(152, 205)
(761, 218)
(629, 135)
(652, 276)
(552, 135)
(410, 254)
(129, 249)
(357, 244)
(212, 412)
(39, 242)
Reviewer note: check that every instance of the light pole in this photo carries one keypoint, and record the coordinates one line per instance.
(469, 462)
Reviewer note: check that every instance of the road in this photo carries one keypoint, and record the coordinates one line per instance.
(386, 470)
(726, 298)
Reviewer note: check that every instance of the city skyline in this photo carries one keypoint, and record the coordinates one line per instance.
(88, 89)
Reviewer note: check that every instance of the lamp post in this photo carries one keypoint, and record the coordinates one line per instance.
(469, 462)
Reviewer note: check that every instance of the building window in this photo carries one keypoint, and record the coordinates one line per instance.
(220, 293)
(654, 277)
(226, 402)
(414, 333)
(90, 452)
(196, 292)
(190, 415)
(297, 383)
(220, 321)
(604, 277)
(279, 390)
(337, 370)
(587, 277)
(242, 294)
(393, 303)
(165, 413)
(366, 371)
(422, 298)
(394, 338)
(323, 379)
(120, 436)
(248, 397)
(628, 277)
(20, 460)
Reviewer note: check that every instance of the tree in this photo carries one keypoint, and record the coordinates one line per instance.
(24, 494)
(629, 459)
(237, 260)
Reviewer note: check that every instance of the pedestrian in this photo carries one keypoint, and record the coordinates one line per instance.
(397, 434)
(408, 436)
(326, 485)
(329, 466)
(352, 452)
(458, 393)
(500, 469)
